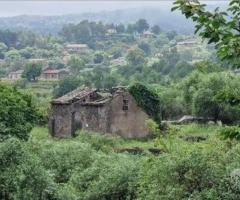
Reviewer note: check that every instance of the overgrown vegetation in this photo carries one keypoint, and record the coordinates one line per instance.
(148, 100)
(168, 74)
(17, 113)
(89, 167)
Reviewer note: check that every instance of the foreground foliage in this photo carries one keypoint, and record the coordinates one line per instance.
(219, 27)
(81, 168)
(17, 113)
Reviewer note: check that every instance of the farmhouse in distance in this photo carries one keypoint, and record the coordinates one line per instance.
(87, 108)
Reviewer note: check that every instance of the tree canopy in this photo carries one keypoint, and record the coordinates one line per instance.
(32, 71)
(17, 113)
(219, 27)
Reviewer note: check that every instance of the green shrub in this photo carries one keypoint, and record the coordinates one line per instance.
(215, 96)
(63, 157)
(230, 132)
(109, 177)
(22, 173)
(17, 113)
(99, 141)
(188, 174)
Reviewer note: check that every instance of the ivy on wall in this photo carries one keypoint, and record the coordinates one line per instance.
(148, 100)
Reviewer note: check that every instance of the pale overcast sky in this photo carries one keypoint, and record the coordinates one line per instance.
(13, 8)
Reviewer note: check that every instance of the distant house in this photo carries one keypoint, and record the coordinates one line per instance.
(159, 55)
(118, 61)
(148, 34)
(15, 75)
(76, 47)
(187, 43)
(54, 73)
(38, 60)
(111, 31)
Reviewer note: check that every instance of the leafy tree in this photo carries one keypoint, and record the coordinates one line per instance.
(66, 85)
(131, 28)
(75, 64)
(208, 67)
(3, 49)
(156, 29)
(172, 56)
(145, 47)
(8, 37)
(22, 173)
(189, 86)
(27, 52)
(119, 183)
(84, 32)
(181, 69)
(204, 104)
(109, 81)
(120, 28)
(186, 174)
(159, 65)
(17, 113)
(116, 52)
(213, 96)
(171, 35)
(161, 40)
(142, 25)
(172, 103)
(32, 71)
(13, 54)
(98, 57)
(135, 56)
(186, 55)
(101, 77)
(218, 27)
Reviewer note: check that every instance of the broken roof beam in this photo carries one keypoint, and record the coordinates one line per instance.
(76, 94)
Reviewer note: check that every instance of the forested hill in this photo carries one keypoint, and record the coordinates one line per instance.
(52, 24)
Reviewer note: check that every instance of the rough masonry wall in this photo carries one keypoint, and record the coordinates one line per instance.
(108, 118)
(129, 123)
(93, 118)
(60, 121)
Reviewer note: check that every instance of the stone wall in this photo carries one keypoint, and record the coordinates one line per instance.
(130, 123)
(93, 118)
(60, 120)
(120, 115)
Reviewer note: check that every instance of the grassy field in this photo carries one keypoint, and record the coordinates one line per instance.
(185, 136)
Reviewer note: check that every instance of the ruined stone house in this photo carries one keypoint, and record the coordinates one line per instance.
(86, 108)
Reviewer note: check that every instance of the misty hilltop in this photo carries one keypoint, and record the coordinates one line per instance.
(161, 16)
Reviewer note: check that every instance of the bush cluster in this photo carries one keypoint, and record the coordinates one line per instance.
(48, 169)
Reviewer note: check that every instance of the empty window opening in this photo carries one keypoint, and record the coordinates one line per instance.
(125, 104)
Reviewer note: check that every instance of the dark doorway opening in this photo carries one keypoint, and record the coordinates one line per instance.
(73, 127)
(53, 127)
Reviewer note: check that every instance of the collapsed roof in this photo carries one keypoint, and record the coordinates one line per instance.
(97, 98)
(74, 95)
